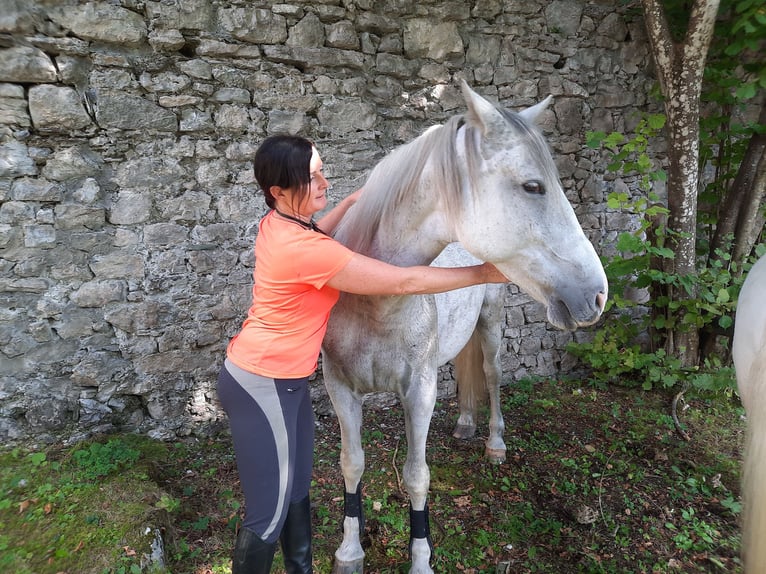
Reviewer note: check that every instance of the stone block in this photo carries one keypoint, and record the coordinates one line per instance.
(186, 15)
(24, 64)
(102, 22)
(563, 17)
(342, 35)
(57, 109)
(39, 236)
(131, 207)
(15, 160)
(340, 117)
(98, 293)
(435, 40)
(157, 234)
(254, 25)
(128, 112)
(74, 162)
(29, 189)
(167, 40)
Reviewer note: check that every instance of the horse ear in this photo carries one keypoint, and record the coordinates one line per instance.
(480, 112)
(532, 113)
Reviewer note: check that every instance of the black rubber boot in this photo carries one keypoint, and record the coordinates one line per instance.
(251, 554)
(296, 538)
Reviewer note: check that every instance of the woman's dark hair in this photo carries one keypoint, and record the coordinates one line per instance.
(283, 161)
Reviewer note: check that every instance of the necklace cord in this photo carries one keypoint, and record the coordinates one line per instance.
(305, 224)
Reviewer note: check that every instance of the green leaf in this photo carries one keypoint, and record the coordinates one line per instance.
(613, 203)
(627, 242)
(37, 458)
(656, 121)
(594, 139)
(746, 91)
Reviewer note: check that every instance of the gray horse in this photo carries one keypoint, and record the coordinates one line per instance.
(749, 354)
(484, 179)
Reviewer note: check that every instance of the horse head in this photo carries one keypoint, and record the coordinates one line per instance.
(514, 213)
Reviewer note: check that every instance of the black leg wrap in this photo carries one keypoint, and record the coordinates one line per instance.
(352, 506)
(420, 527)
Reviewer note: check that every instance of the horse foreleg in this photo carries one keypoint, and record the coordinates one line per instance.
(416, 476)
(349, 557)
(491, 337)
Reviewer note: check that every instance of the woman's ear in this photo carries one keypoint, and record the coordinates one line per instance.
(278, 192)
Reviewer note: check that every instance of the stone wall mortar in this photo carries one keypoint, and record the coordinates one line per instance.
(128, 207)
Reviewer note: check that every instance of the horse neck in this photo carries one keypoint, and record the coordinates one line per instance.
(406, 214)
(412, 237)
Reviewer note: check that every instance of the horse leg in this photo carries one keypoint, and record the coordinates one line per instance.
(470, 382)
(491, 341)
(478, 371)
(418, 406)
(349, 557)
(495, 448)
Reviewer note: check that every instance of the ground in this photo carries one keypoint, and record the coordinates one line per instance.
(598, 479)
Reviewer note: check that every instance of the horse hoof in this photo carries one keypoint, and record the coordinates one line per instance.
(464, 432)
(496, 455)
(354, 567)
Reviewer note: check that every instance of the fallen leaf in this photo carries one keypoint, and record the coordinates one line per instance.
(48, 508)
(129, 551)
(23, 505)
(79, 546)
(462, 501)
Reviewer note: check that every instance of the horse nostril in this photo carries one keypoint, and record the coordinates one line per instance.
(600, 300)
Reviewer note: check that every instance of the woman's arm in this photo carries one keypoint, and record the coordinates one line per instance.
(330, 221)
(366, 276)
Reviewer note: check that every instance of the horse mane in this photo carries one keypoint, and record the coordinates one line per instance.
(392, 184)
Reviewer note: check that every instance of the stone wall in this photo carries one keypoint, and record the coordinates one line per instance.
(127, 203)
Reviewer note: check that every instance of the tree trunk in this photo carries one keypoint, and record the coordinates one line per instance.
(679, 69)
(740, 215)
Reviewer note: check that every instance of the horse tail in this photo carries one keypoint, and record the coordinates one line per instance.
(469, 375)
(754, 469)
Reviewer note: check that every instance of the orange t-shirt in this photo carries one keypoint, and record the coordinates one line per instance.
(282, 334)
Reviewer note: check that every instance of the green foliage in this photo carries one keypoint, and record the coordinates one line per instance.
(734, 76)
(746, 44)
(628, 348)
(99, 459)
(77, 510)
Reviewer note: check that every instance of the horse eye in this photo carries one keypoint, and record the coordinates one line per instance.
(535, 187)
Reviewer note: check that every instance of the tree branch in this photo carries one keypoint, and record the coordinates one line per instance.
(699, 34)
(661, 42)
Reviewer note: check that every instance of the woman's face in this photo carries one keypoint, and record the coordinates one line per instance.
(315, 200)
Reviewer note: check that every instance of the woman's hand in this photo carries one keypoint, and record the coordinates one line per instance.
(493, 274)
(354, 196)
(330, 221)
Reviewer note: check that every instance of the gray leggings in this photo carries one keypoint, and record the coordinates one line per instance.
(272, 427)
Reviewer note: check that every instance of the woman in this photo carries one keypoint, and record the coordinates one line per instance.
(263, 386)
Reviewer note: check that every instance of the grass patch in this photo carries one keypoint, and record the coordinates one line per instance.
(597, 480)
(83, 510)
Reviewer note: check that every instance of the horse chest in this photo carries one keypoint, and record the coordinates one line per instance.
(380, 345)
